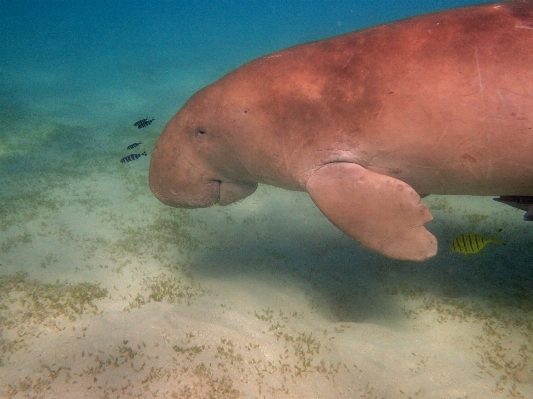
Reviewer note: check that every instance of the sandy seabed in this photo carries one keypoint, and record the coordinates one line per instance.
(106, 293)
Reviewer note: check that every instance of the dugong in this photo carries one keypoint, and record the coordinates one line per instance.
(366, 123)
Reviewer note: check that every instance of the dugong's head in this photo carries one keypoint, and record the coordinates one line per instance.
(195, 162)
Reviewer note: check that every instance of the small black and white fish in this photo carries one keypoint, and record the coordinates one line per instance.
(132, 157)
(138, 143)
(143, 122)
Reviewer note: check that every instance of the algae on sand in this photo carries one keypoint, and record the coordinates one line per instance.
(26, 304)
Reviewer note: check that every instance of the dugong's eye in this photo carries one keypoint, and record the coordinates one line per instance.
(200, 131)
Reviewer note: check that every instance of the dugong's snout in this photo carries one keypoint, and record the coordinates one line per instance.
(185, 186)
(201, 194)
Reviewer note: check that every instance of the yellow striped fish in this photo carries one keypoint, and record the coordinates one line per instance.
(472, 243)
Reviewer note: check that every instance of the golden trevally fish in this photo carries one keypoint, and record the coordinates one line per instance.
(472, 243)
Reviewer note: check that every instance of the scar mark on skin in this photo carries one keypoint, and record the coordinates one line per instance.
(194, 166)
(524, 27)
(380, 111)
(347, 62)
(479, 73)
(200, 170)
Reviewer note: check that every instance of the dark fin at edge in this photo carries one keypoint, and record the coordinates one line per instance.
(524, 203)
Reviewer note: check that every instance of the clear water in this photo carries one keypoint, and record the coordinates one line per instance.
(106, 293)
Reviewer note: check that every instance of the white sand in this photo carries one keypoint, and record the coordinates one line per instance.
(260, 299)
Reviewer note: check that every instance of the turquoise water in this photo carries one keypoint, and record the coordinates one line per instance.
(105, 292)
(98, 66)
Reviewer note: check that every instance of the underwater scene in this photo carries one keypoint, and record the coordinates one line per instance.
(105, 292)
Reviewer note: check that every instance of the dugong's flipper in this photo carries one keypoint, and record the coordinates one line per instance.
(382, 213)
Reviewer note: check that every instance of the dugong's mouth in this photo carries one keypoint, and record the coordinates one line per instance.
(230, 192)
(200, 195)
(203, 195)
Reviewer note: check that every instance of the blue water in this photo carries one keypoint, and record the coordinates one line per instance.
(100, 65)
(75, 76)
